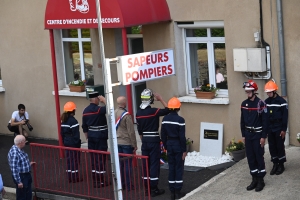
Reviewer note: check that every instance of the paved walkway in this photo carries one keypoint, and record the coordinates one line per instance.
(231, 183)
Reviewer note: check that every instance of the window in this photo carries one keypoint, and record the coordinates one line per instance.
(206, 57)
(77, 54)
(0, 78)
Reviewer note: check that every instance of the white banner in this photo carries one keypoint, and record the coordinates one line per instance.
(145, 66)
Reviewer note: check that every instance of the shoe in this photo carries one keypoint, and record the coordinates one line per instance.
(172, 195)
(260, 184)
(280, 169)
(179, 195)
(274, 169)
(253, 184)
(155, 192)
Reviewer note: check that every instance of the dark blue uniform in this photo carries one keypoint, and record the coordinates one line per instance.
(278, 119)
(94, 123)
(254, 127)
(173, 137)
(71, 138)
(147, 125)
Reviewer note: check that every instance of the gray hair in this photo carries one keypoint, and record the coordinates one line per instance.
(19, 139)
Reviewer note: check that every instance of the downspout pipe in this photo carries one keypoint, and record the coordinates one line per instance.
(281, 48)
(282, 59)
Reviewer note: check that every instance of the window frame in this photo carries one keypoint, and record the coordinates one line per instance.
(210, 41)
(80, 41)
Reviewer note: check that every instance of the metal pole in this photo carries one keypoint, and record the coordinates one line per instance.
(110, 112)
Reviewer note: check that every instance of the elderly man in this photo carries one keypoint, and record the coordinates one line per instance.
(20, 167)
(126, 140)
(94, 126)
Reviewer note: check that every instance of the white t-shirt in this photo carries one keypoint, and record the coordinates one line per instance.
(15, 115)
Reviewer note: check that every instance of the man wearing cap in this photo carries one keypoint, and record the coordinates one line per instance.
(94, 126)
(148, 123)
(254, 127)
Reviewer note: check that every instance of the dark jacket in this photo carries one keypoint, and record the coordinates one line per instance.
(254, 115)
(277, 113)
(173, 131)
(148, 121)
(70, 133)
(94, 121)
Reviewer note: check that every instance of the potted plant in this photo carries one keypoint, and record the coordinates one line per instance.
(205, 91)
(237, 149)
(77, 86)
(188, 144)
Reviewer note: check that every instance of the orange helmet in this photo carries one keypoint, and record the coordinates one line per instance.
(250, 85)
(271, 86)
(69, 106)
(174, 103)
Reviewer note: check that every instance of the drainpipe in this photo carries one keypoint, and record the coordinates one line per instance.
(281, 48)
(282, 59)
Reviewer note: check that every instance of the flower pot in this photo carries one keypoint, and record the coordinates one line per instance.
(205, 95)
(238, 155)
(187, 148)
(74, 88)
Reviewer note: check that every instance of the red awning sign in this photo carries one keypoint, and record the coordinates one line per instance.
(69, 14)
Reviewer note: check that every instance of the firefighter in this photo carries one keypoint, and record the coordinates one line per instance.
(254, 131)
(147, 119)
(277, 120)
(71, 138)
(95, 128)
(173, 137)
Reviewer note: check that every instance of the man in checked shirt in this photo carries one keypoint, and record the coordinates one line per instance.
(20, 167)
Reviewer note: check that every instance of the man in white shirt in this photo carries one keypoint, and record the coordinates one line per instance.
(18, 119)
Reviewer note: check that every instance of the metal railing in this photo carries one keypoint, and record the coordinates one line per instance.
(87, 173)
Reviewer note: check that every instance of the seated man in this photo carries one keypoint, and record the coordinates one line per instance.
(18, 119)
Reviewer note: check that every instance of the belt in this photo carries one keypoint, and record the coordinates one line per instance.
(173, 138)
(275, 121)
(68, 135)
(151, 134)
(97, 128)
(253, 129)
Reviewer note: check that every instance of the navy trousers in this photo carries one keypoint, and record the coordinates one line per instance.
(152, 150)
(255, 157)
(176, 167)
(276, 147)
(24, 193)
(126, 165)
(73, 160)
(98, 160)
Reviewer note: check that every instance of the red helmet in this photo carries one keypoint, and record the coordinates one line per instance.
(250, 85)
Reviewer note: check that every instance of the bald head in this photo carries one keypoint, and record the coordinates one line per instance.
(19, 139)
(121, 101)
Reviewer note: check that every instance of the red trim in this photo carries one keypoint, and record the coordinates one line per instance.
(147, 116)
(55, 85)
(92, 113)
(64, 14)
